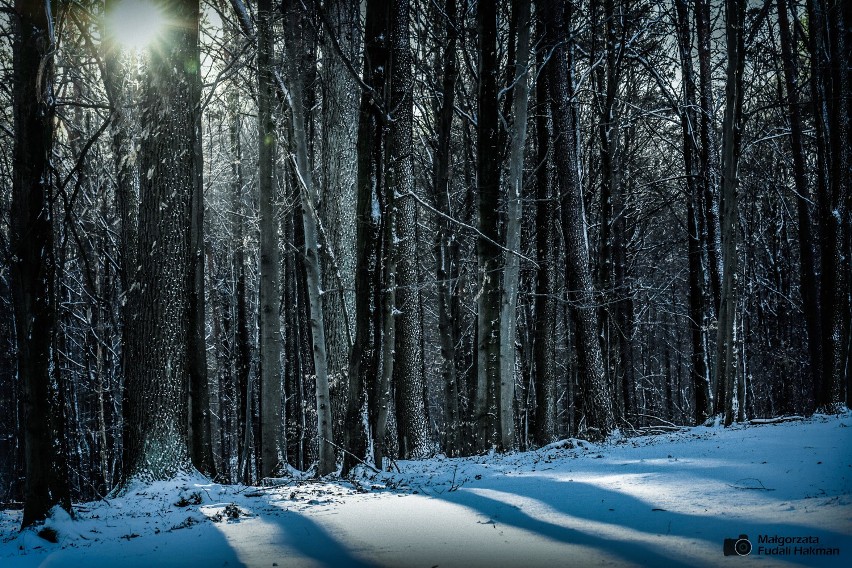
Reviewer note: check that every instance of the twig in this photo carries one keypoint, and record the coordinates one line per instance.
(345, 451)
(761, 488)
(479, 233)
(672, 424)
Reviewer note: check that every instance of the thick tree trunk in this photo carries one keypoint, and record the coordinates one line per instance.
(547, 207)
(487, 248)
(338, 200)
(156, 420)
(32, 274)
(270, 323)
(597, 395)
(413, 428)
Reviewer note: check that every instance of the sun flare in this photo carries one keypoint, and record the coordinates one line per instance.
(136, 24)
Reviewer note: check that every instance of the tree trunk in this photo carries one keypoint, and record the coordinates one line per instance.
(413, 428)
(512, 269)
(697, 293)
(338, 201)
(709, 153)
(156, 414)
(32, 274)
(597, 396)
(270, 325)
(726, 366)
(200, 443)
(547, 207)
(487, 248)
(808, 273)
(820, 94)
(445, 249)
(326, 462)
(363, 360)
(837, 226)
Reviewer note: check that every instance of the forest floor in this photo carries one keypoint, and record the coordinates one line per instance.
(663, 500)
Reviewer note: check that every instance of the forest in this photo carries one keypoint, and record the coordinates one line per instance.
(252, 238)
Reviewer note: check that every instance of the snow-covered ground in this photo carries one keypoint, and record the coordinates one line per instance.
(667, 500)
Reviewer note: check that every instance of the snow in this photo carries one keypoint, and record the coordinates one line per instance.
(668, 499)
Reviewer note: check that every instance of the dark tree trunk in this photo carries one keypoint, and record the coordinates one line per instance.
(363, 361)
(547, 208)
(808, 274)
(726, 366)
(597, 396)
(270, 324)
(837, 226)
(709, 154)
(33, 269)
(488, 251)
(697, 292)
(445, 245)
(200, 442)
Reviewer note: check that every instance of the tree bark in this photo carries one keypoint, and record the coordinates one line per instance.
(597, 395)
(326, 462)
(709, 154)
(726, 366)
(698, 317)
(413, 428)
(270, 324)
(364, 358)
(338, 200)
(200, 443)
(32, 271)
(512, 268)
(487, 250)
(445, 245)
(837, 224)
(156, 389)
(547, 207)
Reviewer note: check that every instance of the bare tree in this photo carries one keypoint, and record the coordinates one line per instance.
(326, 459)
(156, 381)
(511, 271)
(488, 251)
(726, 367)
(597, 394)
(270, 285)
(33, 266)
(408, 370)
(364, 359)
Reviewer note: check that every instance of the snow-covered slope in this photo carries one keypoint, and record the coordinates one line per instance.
(666, 500)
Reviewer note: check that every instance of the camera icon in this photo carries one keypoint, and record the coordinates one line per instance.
(737, 546)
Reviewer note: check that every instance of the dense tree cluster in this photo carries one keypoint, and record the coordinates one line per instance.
(331, 234)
